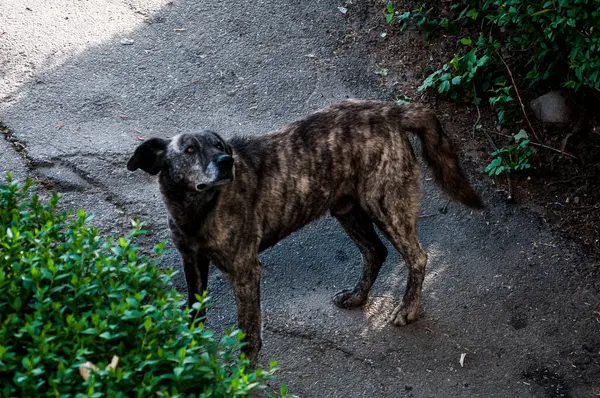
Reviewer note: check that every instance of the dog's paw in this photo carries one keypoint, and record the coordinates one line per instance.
(349, 299)
(404, 314)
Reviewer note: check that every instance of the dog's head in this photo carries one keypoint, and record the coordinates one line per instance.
(196, 162)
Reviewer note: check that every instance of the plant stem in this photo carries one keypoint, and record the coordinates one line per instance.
(509, 197)
(542, 146)
(476, 122)
(518, 96)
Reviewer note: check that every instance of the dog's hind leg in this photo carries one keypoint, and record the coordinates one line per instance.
(359, 227)
(397, 217)
(416, 261)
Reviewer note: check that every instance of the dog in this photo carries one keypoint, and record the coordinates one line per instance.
(229, 200)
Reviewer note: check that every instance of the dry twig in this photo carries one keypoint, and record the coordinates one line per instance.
(567, 180)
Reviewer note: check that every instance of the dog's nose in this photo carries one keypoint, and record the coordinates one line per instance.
(225, 161)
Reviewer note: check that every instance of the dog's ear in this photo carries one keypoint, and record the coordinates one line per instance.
(226, 145)
(149, 156)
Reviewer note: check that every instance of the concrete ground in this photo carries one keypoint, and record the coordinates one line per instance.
(83, 83)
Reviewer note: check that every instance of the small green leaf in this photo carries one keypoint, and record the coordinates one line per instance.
(473, 13)
(131, 301)
(521, 135)
(535, 14)
(444, 87)
(17, 304)
(177, 371)
(483, 60)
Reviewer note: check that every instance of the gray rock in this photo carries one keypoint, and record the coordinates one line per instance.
(552, 108)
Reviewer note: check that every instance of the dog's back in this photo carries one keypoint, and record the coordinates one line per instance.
(341, 155)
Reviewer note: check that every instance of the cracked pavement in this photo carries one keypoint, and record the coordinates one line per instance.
(81, 83)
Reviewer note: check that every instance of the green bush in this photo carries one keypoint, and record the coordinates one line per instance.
(425, 19)
(463, 76)
(558, 39)
(562, 37)
(69, 295)
(513, 158)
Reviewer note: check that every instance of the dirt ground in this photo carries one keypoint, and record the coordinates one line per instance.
(564, 191)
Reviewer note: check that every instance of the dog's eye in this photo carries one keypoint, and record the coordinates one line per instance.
(190, 149)
(219, 146)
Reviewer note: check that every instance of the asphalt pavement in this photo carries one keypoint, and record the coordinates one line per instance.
(82, 83)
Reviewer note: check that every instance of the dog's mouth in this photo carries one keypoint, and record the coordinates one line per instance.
(204, 187)
(223, 180)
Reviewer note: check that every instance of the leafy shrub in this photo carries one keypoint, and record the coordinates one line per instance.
(421, 18)
(515, 157)
(502, 100)
(560, 38)
(69, 295)
(553, 40)
(465, 75)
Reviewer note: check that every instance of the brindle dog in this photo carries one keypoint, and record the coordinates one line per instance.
(229, 200)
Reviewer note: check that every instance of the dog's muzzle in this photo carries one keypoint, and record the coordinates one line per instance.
(223, 167)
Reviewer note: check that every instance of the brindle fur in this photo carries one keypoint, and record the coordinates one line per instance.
(352, 159)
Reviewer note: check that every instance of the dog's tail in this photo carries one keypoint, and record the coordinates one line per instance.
(439, 153)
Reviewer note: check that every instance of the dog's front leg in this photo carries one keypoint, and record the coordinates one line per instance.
(195, 267)
(246, 287)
